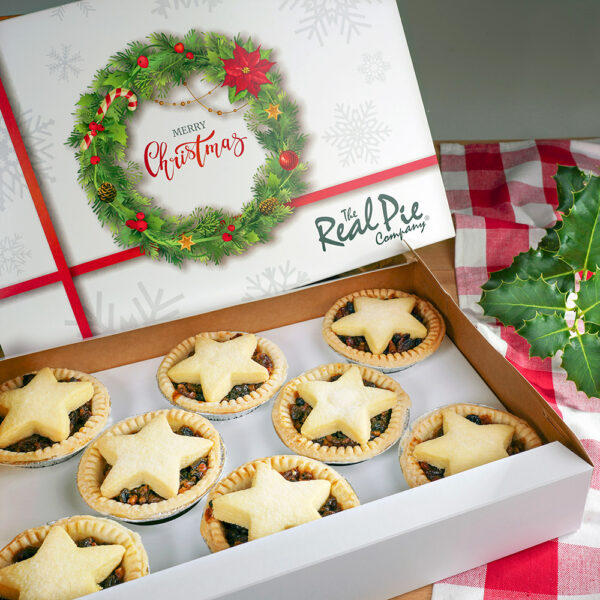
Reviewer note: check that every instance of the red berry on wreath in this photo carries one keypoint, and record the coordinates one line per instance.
(141, 226)
(227, 237)
(95, 160)
(93, 133)
(189, 55)
(131, 224)
(179, 48)
(142, 61)
(140, 215)
(231, 227)
(288, 160)
(93, 126)
(99, 127)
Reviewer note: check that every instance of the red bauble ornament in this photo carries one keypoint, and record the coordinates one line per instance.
(142, 61)
(140, 215)
(189, 55)
(141, 226)
(131, 224)
(231, 227)
(288, 160)
(227, 237)
(179, 48)
(95, 160)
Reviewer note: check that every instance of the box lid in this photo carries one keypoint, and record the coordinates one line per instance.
(297, 105)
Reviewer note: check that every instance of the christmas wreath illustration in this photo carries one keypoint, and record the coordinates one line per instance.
(147, 71)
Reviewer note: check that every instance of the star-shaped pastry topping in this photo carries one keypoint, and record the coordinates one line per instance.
(344, 405)
(218, 366)
(153, 456)
(378, 320)
(60, 569)
(464, 444)
(42, 407)
(272, 504)
(185, 241)
(273, 111)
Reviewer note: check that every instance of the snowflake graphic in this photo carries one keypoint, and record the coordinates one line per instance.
(12, 184)
(319, 17)
(273, 280)
(162, 7)
(357, 133)
(149, 308)
(37, 134)
(64, 63)
(373, 67)
(85, 8)
(13, 254)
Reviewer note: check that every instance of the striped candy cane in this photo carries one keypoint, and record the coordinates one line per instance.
(108, 99)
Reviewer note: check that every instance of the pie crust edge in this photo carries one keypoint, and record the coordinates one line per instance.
(436, 329)
(211, 528)
(90, 471)
(424, 428)
(93, 426)
(264, 393)
(135, 559)
(284, 426)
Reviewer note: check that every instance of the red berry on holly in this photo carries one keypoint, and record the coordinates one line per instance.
(189, 55)
(95, 160)
(227, 237)
(179, 48)
(93, 126)
(288, 160)
(99, 127)
(131, 224)
(141, 226)
(231, 227)
(93, 133)
(140, 215)
(142, 61)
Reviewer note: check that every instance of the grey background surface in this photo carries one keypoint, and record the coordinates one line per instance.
(494, 70)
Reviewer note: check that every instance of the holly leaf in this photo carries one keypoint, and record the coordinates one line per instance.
(547, 334)
(581, 361)
(116, 79)
(87, 99)
(569, 180)
(118, 133)
(588, 299)
(580, 232)
(517, 302)
(550, 241)
(532, 265)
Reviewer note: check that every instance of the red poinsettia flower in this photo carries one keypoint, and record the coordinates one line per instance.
(246, 71)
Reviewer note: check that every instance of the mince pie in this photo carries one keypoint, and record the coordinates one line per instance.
(269, 495)
(151, 466)
(341, 413)
(71, 558)
(385, 329)
(48, 415)
(222, 374)
(458, 437)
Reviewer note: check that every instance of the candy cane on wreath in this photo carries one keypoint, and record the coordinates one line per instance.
(108, 99)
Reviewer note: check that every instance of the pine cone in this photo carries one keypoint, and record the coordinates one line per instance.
(266, 207)
(107, 192)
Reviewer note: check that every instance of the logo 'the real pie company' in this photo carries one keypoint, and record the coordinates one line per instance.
(386, 219)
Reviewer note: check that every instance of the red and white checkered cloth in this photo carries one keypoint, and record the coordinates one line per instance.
(503, 196)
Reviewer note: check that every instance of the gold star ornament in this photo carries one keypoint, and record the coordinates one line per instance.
(378, 320)
(344, 405)
(464, 444)
(219, 366)
(41, 407)
(273, 111)
(60, 569)
(272, 504)
(153, 456)
(185, 241)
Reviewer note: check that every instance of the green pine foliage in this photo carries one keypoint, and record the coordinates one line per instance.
(208, 227)
(532, 294)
